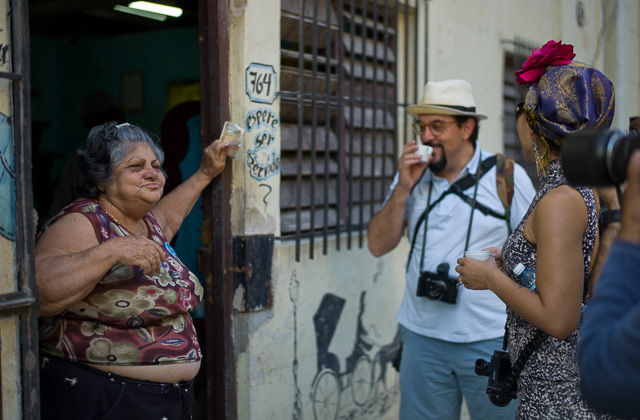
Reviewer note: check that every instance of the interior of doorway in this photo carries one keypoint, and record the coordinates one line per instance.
(86, 57)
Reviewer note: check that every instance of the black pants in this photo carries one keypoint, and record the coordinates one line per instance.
(70, 390)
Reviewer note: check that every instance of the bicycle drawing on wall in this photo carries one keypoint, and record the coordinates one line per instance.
(369, 381)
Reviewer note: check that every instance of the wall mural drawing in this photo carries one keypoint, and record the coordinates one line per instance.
(7, 181)
(366, 387)
(294, 286)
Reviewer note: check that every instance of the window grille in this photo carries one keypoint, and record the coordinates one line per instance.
(341, 115)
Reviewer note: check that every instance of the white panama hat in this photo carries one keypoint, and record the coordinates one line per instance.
(448, 97)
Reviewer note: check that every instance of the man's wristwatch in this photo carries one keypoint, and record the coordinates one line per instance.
(607, 217)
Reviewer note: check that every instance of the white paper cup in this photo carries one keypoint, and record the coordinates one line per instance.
(425, 151)
(477, 255)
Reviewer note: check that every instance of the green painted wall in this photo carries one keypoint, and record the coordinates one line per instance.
(63, 72)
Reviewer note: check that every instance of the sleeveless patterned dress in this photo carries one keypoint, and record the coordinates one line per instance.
(548, 386)
(129, 318)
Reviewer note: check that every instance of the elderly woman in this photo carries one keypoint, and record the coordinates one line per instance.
(116, 336)
(557, 237)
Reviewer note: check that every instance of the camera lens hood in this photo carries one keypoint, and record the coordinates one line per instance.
(585, 157)
(598, 157)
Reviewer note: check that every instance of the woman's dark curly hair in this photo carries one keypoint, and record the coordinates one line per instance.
(107, 146)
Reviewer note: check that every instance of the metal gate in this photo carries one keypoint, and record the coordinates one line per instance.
(18, 301)
(348, 71)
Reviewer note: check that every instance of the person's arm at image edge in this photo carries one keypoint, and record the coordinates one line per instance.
(609, 348)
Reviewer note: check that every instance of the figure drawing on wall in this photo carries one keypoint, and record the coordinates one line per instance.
(364, 377)
(294, 286)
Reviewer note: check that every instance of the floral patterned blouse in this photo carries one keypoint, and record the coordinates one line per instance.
(129, 318)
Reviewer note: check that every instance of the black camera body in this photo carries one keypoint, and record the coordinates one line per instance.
(438, 286)
(497, 370)
(597, 157)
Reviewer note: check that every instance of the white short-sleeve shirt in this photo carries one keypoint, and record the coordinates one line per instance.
(478, 314)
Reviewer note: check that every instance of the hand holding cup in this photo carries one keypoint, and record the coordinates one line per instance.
(425, 151)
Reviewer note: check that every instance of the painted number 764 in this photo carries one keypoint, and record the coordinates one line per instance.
(260, 81)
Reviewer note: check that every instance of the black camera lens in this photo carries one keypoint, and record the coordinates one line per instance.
(436, 289)
(482, 367)
(499, 401)
(598, 158)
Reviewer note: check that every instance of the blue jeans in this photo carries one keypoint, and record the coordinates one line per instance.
(74, 391)
(436, 374)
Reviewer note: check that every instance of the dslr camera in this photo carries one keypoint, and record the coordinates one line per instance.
(439, 285)
(497, 370)
(597, 157)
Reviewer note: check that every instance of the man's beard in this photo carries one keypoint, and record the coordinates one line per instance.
(439, 166)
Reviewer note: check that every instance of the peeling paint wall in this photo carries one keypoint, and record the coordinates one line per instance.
(328, 344)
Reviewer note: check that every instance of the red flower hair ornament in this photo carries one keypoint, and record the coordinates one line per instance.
(550, 54)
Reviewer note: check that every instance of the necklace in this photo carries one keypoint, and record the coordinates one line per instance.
(116, 220)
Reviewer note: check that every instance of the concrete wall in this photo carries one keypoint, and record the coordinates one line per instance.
(278, 349)
(621, 56)
(468, 40)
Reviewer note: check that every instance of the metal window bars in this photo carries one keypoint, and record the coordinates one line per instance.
(341, 97)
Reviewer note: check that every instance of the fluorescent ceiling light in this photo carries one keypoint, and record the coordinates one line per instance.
(140, 13)
(156, 8)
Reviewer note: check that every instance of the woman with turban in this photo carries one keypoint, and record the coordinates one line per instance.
(557, 237)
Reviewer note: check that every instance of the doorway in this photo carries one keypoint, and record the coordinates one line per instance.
(88, 58)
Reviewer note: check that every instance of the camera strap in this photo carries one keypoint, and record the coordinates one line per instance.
(458, 189)
(516, 368)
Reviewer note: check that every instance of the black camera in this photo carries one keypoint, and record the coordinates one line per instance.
(598, 158)
(438, 285)
(497, 370)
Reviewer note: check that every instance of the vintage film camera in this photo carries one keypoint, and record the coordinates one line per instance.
(438, 286)
(598, 158)
(497, 370)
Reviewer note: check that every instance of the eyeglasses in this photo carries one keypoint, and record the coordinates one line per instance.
(519, 110)
(436, 127)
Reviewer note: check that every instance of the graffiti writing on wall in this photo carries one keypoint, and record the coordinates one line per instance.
(262, 118)
(263, 159)
(263, 164)
(7, 181)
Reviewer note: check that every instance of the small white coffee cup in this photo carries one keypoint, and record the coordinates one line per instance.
(425, 151)
(477, 255)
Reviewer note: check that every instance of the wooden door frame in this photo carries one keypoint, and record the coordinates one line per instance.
(216, 230)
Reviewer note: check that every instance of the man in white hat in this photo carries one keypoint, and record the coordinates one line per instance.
(445, 328)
